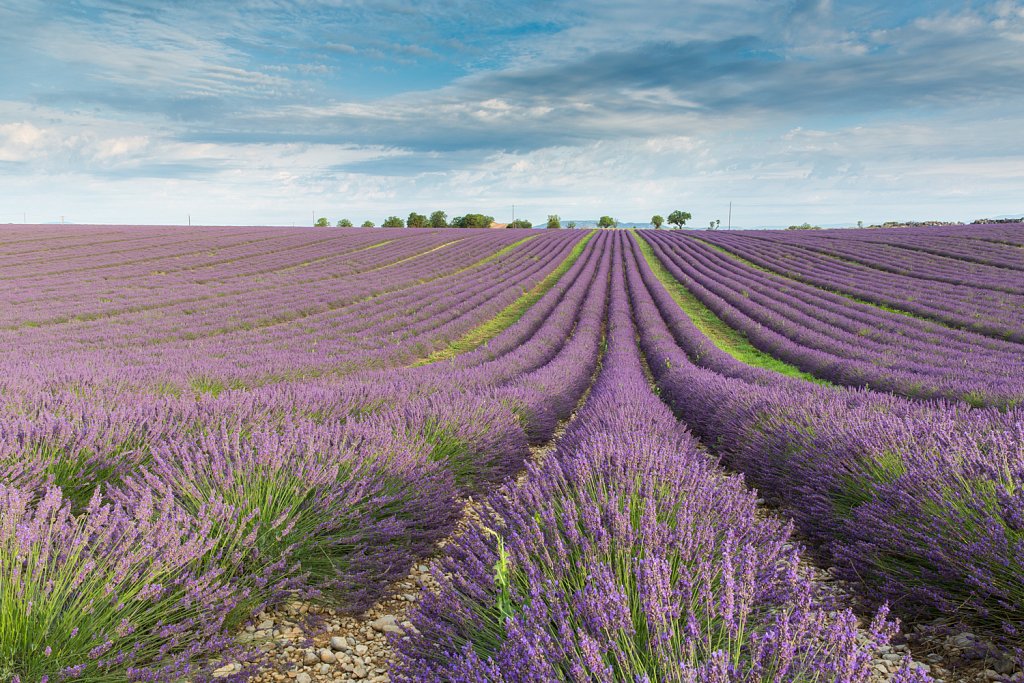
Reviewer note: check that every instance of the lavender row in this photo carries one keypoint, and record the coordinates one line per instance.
(269, 504)
(142, 582)
(193, 268)
(984, 244)
(302, 337)
(913, 259)
(57, 429)
(77, 440)
(920, 502)
(222, 286)
(626, 556)
(844, 342)
(996, 314)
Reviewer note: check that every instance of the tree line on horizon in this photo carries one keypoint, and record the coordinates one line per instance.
(439, 219)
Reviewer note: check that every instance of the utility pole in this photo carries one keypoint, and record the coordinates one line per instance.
(730, 216)
(513, 214)
(190, 220)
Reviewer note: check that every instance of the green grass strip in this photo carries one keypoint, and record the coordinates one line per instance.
(730, 340)
(511, 313)
(498, 254)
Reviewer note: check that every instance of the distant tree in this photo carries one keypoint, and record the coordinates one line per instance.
(344, 223)
(803, 226)
(439, 219)
(393, 222)
(571, 225)
(860, 224)
(713, 225)
(368, 224)
(657, 221)
(416, 220)
(521, 223)
(554, 222)
(606, 222)
(678, 218)
(321, 223)
(472, 220)
(478, 220)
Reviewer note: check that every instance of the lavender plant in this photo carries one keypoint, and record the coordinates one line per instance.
(119, 592)
(337, 513)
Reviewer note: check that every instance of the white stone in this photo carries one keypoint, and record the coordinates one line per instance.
(386, 624)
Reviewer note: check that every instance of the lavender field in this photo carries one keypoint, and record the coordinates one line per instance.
(279, 454)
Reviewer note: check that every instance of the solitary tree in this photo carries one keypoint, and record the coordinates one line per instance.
(368, 224)
(416, 220)
(657, 221)
(554, 221)
(344, 223)
(521, 223)
(713, 225)
(393, 222)
(439, 219)
(606, 222)
(571, 225)
(321, 223)
(678, 218)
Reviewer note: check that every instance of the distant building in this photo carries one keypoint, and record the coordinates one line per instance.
(496, 225)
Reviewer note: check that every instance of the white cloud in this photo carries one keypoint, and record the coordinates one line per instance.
(119, 147)
(20, 141)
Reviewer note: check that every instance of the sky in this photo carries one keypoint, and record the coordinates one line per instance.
(276, 111)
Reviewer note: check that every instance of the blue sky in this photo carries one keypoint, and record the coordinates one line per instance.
(264, 111)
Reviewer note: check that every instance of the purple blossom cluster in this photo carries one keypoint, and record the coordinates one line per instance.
(919, 501)
(627, 556)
